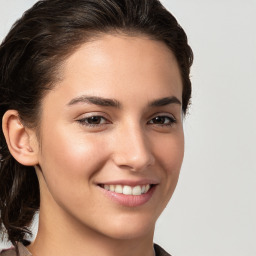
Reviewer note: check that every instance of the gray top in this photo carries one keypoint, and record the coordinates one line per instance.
(24, 251)
(11, 252)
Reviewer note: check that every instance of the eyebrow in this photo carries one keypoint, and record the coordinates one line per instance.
(95, 101)
(100, 101)
(165, 101)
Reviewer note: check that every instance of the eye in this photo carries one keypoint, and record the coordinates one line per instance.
(93, 121)
(162, 120)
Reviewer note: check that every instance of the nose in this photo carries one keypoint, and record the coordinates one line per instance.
(132, 149)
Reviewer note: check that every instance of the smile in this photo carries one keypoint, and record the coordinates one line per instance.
(128, 190)
(128, 196)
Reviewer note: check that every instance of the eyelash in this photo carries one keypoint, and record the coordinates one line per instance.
(168, 121)
(84, 121)
(171, 120)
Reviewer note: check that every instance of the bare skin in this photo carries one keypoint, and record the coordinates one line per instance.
(136, 139)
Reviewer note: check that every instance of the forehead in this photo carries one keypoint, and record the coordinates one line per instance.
(121, 65)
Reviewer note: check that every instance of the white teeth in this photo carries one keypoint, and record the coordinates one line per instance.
(119, 189)
(128, 190)
(136, 191)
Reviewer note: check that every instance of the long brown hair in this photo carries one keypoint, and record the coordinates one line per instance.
(30, 57)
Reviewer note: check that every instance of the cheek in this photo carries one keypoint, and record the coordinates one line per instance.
(170, 152)
(67, 158)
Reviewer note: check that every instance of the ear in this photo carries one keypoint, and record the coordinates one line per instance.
(21, 141)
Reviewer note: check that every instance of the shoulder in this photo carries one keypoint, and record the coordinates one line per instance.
(12, 252)
(160, 251)
(8, 252)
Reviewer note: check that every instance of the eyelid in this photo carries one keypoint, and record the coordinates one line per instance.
(83, 118)
(163, 114)
(92, 114)
(172, 118)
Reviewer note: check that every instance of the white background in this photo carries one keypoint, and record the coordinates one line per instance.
(213, 211)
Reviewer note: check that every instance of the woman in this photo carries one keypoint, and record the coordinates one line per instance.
(93, 95)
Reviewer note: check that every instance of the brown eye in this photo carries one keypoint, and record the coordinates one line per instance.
(159, 120)
(93, 121)
(162, 120)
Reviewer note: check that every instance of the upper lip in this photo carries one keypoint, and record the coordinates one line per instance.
(130, 182)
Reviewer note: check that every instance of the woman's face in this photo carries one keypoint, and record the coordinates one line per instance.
(111, 137)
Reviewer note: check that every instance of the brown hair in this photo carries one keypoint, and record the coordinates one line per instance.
(30, 56)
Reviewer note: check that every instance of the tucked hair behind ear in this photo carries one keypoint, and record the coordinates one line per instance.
(30, 58)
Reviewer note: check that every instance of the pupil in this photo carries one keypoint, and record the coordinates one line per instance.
(94, 120)
(159, 120)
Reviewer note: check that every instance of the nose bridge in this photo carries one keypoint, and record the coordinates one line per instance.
(133, 150)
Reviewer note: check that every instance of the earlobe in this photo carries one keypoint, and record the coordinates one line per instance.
(21, 140)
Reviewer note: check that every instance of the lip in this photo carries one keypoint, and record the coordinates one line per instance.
(131, 183)
(129, 200)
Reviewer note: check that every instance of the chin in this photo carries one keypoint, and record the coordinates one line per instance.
(129, 228)
(132, 233)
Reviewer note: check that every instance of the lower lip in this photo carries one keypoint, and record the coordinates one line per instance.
(129, 200)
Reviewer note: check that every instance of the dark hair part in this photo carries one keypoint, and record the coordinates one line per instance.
(30, 57)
